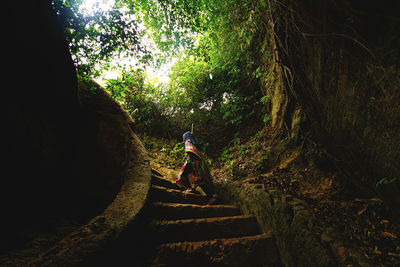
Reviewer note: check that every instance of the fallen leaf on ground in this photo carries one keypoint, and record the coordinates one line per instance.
(342, 252)
(361, 211)
(389, 235)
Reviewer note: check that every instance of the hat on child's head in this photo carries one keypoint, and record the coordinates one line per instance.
(188, 136)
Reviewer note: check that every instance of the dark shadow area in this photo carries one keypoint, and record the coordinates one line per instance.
(60, 166)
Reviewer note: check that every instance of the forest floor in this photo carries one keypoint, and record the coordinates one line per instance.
(294, 167)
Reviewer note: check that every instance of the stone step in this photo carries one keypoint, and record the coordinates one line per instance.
(177, 211)
(159, 181)
(257, 250)
(163, 194)
(155, 172)
(204, 229)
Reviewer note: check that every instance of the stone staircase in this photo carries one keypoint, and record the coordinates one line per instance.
(187, 232)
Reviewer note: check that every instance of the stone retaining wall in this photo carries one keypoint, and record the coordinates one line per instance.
(302, 237)
(91, 240)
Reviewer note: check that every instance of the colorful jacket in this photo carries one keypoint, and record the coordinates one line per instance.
(195, 170)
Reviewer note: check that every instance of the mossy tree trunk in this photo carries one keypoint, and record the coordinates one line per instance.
(338, 61)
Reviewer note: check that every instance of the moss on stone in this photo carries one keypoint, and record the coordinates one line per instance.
(301, 236)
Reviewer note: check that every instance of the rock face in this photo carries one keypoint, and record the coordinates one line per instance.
(302, 238)
(40, 112)
(40, 120)
(126, 170)
(338, 66)
(69, 155)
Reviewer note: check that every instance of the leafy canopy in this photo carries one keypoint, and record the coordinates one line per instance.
(218, 44)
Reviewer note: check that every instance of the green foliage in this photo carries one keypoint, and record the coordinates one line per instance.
(94, 38)
(385, 181)
(313, 152)
(190, 85)
(262, 164)
(227, 154)
(167, 152)
(172, 23)
(235, 169)
(177, 152)
(242, 157)
(266, 118)
(88, 88)
(148, 143)
(232, 156)
(128, 88)
(137, 97)
(216, 79)
(264, 100)
(215, 83)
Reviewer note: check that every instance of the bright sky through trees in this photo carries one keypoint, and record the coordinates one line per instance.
(171, 63)
(89, 7)
(156, 75)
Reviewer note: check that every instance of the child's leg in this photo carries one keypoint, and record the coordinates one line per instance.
(183, 182)
(209, 190)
